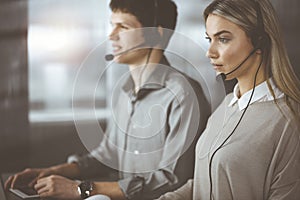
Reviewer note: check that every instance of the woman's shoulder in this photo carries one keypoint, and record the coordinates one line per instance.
(290, 109)
(283, 112)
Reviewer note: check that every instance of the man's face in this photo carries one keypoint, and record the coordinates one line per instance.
(126, 34)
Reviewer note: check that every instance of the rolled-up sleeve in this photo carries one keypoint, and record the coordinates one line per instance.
(183, 193)
(139, 187)
(88, 165)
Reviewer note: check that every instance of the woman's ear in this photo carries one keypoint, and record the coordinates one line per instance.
(258, 51)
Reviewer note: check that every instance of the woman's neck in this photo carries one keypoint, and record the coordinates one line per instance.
(246, 83)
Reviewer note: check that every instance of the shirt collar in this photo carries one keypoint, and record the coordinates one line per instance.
(261, 93)
(155, 80)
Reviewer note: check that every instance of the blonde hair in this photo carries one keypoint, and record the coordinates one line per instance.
(244, 13)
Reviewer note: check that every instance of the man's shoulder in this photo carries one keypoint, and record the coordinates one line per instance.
(186, 87)
(180, 80)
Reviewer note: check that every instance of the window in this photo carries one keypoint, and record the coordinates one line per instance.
(61, 34)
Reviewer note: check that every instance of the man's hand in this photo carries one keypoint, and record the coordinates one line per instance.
(29, 177)
(59, 187)
(26, 178)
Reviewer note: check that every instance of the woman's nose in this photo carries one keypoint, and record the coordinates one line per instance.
(212, 52)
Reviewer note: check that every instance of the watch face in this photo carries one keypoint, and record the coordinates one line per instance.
(85, 188)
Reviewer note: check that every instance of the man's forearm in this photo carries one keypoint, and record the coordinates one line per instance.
(70, 170)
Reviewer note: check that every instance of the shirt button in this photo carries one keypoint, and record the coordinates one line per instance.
(136, 152)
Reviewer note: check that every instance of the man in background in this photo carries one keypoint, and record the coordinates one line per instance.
(157, 117)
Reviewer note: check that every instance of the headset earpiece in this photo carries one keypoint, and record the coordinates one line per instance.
(152, 36)
(259, 37)
(261, 41)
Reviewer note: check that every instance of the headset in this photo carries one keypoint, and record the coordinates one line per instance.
(151, 35)
(259, 39)
(151, 40)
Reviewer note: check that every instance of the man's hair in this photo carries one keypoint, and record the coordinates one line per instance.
(150, 13)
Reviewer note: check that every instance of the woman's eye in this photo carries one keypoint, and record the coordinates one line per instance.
(223, 40)
(208, 39)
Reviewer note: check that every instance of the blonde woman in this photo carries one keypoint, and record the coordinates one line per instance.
(250, 148)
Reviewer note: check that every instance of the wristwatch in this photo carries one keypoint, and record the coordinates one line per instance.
(85, 188)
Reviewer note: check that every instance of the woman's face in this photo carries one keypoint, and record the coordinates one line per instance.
(229, 46)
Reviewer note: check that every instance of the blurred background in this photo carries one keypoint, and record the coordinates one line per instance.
(42, 46)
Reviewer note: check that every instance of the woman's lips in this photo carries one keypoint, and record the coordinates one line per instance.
(217, 66)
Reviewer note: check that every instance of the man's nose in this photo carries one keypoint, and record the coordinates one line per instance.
(114, 35)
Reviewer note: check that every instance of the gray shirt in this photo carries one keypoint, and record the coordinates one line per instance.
(261, 160)
(151, 137)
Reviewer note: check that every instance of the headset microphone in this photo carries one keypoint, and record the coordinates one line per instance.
(237, 67)
(110, 57)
